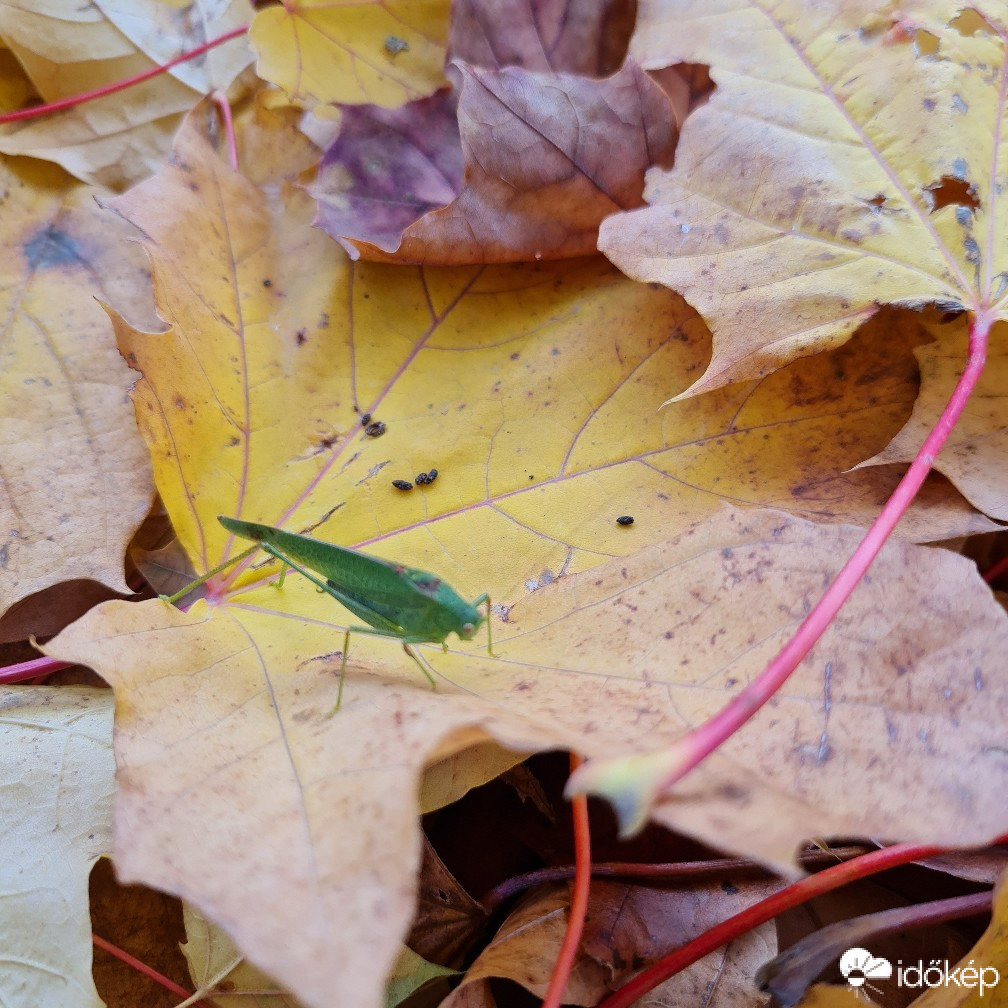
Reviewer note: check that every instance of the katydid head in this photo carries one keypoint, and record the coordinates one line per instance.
(473, 619)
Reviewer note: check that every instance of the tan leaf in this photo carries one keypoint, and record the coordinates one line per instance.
(832, 170)
(219, 969)
(56, 797)
(973, 456)
(628, 927)
(76, 479)
(227, 758)
(884, 730)
(68, 48)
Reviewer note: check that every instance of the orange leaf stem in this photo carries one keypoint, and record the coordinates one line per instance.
(759, 913)
(142, 967)
(65, 103)
(579, 900)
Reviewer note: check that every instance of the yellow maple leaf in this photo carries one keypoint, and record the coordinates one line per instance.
(331, 51)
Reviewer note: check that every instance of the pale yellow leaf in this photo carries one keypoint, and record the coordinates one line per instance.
(56, 788)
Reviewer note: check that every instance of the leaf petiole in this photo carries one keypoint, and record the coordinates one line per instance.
(209, 574)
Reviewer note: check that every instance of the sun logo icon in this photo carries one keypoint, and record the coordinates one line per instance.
(859, 966)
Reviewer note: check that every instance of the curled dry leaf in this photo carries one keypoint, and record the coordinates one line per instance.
(546, 157)
(835, 168)
(227, 758)
(627, 928)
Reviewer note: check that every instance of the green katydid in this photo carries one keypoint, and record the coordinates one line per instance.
(396, 601)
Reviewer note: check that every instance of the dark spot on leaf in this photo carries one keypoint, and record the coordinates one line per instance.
(267, 282)
(302, 337)
(50, 248)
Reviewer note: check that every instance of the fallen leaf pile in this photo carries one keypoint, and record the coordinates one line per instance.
(404, 275)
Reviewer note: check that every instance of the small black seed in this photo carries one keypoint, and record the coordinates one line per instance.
(625, 520)
(375, 429)
(365, 420)
(402, 484)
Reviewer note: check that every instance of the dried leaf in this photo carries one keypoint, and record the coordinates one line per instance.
(69, 48)
(628, 927)
(546, 158)
(973, 456)
(76, 479)
(219, 969)
(832, 170)
(56, 796)
(248, 405)
(329, 51)
(584, 37)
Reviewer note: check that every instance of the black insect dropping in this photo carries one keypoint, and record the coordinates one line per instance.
(426, 478)
(365, 420)
(375, 429)
(402, 484)
(431, 476)
(625, 520)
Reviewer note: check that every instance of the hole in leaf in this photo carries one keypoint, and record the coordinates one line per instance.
(971, 22)
(925, 43)
(949, 190)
